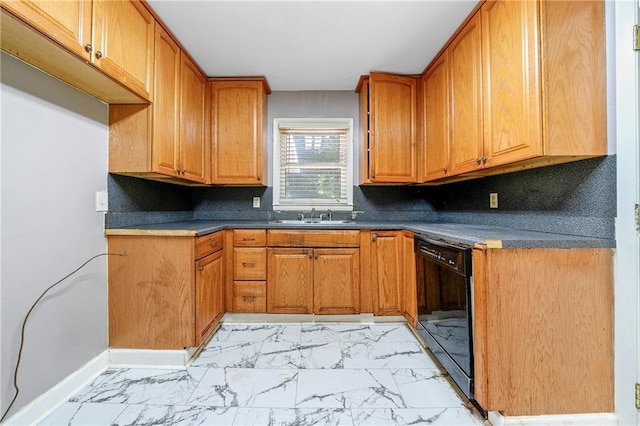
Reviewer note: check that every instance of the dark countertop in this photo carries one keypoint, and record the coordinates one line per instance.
(460, 233)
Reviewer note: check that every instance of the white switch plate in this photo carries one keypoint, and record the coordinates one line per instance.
(102, 201)
(493, 200)
(256, 202)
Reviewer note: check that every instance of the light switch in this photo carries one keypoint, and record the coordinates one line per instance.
(256, 202)
(102, 201)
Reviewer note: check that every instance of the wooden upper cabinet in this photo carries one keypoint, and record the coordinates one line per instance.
(239, 125)
(68, 22)
(123, 40)
(102, 47)
(465, 79)
(512, 104)
(392, 132)
(194, 149)
(166, 104)
(435, 93)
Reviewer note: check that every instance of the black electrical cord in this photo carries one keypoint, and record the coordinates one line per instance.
(24, 323)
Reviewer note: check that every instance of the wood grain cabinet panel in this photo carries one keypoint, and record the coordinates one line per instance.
(249, 296)
(167, 140)
(543, 330)
(289, 281)
(336, 281)
(239, 114)
(435, 87)
(386, 253)
(246, 285)
(161, 296)
(390, 142)
(465, 83)
(409, 288)
(104, 48)
(209, 294)
(123, 39)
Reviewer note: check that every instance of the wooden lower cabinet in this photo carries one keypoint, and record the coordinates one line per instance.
(336, 283)
(209, 293)
(321, 279)
(249, 296)
(289, 281)
(387, 272)
(543, 330)
(409, 290)
(162, 295)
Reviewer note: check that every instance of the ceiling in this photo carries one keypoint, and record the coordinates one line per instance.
(312, 45)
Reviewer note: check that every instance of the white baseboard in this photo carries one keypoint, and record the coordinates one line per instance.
(150, 358)
(39, 408)
(588, 419)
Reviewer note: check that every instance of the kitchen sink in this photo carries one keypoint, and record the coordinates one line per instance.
(310, 222)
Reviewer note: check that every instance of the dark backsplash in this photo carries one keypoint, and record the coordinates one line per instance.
(576, 198)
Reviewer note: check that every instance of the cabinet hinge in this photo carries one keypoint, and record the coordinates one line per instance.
(638, 396)
(636, 37)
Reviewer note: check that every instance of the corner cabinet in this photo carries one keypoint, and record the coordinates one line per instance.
(388, 108)
(527, 88)
(238, 129)
(168, 139)
(313, 272)
(543, 330)
(166, 292)
(104, 48)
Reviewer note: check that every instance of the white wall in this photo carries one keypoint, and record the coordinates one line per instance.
(53, 159)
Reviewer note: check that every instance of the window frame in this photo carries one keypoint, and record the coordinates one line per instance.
(312, 123)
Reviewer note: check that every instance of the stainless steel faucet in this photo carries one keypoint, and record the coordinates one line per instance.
(313, 210)
(329, 215)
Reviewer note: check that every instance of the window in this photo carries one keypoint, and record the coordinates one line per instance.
(313, 164)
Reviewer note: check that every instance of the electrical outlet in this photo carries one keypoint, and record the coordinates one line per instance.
(102, 201)
(256, 202)
(493, 200)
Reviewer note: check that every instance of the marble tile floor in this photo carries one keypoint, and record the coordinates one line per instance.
(281, 374)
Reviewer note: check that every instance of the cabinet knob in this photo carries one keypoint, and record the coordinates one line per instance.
(310, 254)
(315, 255)
(445, 170)
(201, 268)
(484, 159)
(478, 160)
(259, 178)
(374, 237)
(88, 47)
(99, 54)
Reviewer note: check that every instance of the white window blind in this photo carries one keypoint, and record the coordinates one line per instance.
(313, 165)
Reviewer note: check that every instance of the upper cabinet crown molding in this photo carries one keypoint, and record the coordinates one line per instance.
(63, 37)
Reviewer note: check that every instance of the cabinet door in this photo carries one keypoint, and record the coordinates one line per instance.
(465, 65)
(511, 81)
(194, 152)
(393, 130)
(289, 281)
(410, 298)
(336, 281)
(123, 37)
(386, 253)
(68, 22)
(238, 108)
(209, 285)
(436, 119)
(166, 102)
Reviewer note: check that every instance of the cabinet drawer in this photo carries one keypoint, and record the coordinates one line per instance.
(250, 264)
(249, 296)
(288, 238)
(249, 237)
(208, 244)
